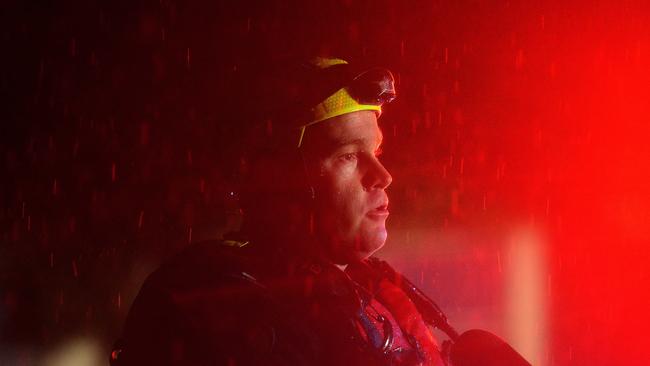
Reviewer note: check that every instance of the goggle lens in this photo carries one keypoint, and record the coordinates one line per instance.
(375, 86)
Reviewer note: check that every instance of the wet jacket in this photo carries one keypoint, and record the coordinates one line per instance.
(225, 303)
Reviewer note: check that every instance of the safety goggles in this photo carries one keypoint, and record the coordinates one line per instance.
(340, 89)
(374, 86)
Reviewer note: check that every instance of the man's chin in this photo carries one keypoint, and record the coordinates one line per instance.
(368, 244)
(346, 248)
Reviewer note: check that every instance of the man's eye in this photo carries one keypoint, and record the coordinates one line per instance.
(348, 157)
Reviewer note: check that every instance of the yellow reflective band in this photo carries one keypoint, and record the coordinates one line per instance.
(341, 102)
(234, 243)
(336, 104)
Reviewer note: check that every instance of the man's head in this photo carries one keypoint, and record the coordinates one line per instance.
(351, 205)
(328, 143)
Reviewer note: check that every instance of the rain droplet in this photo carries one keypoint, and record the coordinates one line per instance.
(75, 271)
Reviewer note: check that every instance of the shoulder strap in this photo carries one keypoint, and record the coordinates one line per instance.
(431, 312)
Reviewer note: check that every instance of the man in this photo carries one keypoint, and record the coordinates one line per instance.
(297, 285)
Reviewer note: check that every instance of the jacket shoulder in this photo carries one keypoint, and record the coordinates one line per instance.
(200, 305)
(208, 263)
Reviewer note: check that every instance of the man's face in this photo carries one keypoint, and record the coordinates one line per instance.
(351, 202)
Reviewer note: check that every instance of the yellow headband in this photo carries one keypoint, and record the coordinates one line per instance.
(336, 104)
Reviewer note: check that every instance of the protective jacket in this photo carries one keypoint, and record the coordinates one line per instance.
(227, 303)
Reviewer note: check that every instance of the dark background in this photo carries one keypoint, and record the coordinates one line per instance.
(120, 147)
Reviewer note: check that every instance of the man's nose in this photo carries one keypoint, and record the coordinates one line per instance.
(377, 176)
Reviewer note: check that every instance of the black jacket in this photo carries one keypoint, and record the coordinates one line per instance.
(224, 303)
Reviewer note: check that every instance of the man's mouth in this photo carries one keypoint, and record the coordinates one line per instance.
(379, 212)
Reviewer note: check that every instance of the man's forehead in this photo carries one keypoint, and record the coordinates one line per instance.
(375, 140)
(359, 128)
